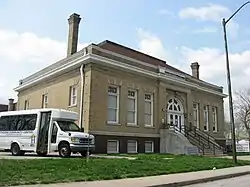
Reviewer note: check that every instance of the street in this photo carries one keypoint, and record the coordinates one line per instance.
(243, 181)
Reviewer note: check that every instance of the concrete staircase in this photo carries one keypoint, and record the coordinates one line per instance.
(203, 141)
(174, 142)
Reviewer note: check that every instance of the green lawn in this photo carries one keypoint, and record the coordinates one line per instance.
(15, 172)
(144, 155)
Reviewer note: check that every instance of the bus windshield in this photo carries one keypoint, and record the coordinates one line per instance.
(68, 126)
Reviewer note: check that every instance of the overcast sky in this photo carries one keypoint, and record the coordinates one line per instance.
(33, 34)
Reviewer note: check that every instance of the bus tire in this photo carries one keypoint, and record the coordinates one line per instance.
(64, 150)
(15, 150)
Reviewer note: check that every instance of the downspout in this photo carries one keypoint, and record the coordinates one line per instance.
(81, 117)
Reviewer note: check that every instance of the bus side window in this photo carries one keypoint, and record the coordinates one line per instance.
(29, 122)
(32, 124)
(19, 124)
(4, 126)
(13, 123)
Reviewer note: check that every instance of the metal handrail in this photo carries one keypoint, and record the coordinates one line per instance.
(184, 132)
(205, 136)
(208, 138)
(200, 138)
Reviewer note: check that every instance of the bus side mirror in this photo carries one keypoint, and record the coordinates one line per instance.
(82, 129)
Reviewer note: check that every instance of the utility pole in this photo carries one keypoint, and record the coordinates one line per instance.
(224, 22)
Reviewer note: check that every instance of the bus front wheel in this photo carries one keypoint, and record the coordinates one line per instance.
(64, 150)
(15, 150)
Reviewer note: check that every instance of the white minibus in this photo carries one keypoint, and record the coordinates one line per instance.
(43, 131)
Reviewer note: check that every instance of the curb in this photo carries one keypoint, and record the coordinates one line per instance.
(202, 180)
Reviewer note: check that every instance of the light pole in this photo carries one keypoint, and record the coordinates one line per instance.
(224, 22)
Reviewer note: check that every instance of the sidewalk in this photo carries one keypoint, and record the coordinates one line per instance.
(163, 180)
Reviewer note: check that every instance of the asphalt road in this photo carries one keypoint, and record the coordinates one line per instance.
(243, 181)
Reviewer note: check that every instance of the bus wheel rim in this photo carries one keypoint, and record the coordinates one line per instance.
(15, 149)
(64, 151)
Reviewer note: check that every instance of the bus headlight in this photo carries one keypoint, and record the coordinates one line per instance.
(75, 139)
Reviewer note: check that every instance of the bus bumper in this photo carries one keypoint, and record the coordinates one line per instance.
(81, 148)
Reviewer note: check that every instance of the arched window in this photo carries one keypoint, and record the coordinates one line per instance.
(174, 105)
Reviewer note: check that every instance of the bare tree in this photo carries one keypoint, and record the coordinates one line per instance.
(239, 130)
(242, 109)
(227, 130)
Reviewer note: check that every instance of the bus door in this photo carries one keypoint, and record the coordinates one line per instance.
(43, 132)
(53, 134)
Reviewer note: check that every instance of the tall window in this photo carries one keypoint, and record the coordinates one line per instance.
(206, 122)
(113, 104)
(44, 100)
(215, 119)
(196, 115)
(132, 107)
(148, 112)
(26, 104)
(73, 96)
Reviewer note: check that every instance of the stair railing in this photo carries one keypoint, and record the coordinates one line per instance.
(199, 139)
(206, 137)
(184, 131)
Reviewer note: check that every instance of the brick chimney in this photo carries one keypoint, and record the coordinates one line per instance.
(195, 69)
(73, 21)
(11, 105)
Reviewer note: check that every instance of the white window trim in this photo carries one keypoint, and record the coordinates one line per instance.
(215, 123)
(152, 150)
(196, 110)
(117, 146)
(45, 103)
(118, 103)
(72, 96)
(207, 114)
(136, 100)
(136, 146)
(152, 109)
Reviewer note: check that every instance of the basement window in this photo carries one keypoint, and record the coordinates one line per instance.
(113, 146)
(132, 146)
(149, 147)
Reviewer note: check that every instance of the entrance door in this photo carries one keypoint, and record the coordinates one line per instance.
(175, 114)
(175, 120)
(42, 143)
